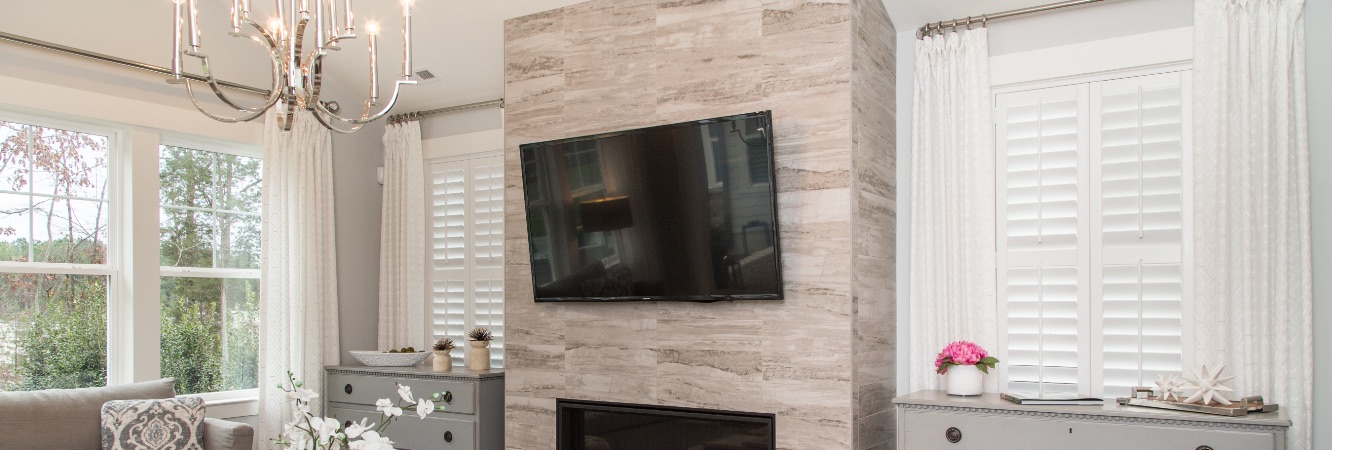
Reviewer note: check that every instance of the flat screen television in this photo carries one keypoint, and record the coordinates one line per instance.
(682, 212)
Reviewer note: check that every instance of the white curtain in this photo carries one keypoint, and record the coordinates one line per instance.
(402, 240)
(952, 211)
(1253, 295)
(299, 327)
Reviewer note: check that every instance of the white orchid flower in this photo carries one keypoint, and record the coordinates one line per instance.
(405, 393)
(324, 427)
(355, 429)
(387, 407)
(424, 407)
(371, 440)
(303, 395)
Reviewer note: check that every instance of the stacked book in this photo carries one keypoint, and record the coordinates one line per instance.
(1032, 398)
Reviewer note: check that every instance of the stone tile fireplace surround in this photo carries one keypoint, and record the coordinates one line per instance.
(822, 360)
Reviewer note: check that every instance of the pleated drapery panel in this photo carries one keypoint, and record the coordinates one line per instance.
(299, 305)
(1253, 284)
(403, 241)
(952, 210)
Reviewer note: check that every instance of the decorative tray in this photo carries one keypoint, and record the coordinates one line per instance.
(1240, 407)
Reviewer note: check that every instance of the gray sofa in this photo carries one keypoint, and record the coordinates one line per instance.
(64, 419)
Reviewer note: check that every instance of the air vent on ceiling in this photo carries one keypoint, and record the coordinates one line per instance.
(425, 76)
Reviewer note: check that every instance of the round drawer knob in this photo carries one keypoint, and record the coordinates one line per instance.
(346, 424)
(447, 396)
(954, 435)
(449, 436)
(347, 389)
(1204, 447)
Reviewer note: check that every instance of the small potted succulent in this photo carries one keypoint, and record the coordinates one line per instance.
(962, 362)
(440, 354)
(478, 351)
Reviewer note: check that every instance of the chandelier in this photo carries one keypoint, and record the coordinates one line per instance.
(298, 39)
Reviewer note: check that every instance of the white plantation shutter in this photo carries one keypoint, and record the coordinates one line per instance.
(1042, 245)
(467, 270)
(1141, 131)
(1093, 234)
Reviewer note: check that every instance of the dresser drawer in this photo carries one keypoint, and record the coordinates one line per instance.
(409, 432)
(366, 390)
(927, 430)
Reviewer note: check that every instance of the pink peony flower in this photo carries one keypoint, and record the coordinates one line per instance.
(960, 353)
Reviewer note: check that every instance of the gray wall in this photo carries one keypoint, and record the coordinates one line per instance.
(356, 208)
(1087, 23)
(1317, 32)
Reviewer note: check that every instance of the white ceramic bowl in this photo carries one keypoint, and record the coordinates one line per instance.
(385, 359)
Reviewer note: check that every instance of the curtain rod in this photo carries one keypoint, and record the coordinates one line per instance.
(120, 61)
(985, 18)
(418, 115)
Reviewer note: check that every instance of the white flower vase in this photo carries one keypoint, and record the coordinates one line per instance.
(478, 355)
(964, 380)
(440, 360)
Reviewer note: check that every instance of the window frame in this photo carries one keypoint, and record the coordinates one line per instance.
(1090, 381)
(118, 347)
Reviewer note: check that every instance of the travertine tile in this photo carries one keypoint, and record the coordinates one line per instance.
(784, 17)
(739, 365)
(530, 410)
(611, 360)
(526, 383)
(676, 11)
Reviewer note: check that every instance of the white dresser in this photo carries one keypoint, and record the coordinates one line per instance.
(932, 420)
(474, 419)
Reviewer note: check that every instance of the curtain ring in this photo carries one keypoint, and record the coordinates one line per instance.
(984, 21)
(968, 21)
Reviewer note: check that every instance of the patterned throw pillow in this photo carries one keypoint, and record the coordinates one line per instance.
(164, 424)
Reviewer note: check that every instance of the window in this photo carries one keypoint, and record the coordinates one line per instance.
(210, 245)
(466, 266)
(55, 221)
(1093, 266)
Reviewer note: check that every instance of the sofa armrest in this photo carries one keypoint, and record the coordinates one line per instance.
(227, 435)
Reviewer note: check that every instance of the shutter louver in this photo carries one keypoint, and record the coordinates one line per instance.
(1042, 193)
(1139, 209)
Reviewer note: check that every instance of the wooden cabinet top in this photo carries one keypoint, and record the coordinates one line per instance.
(419, 371)
(992, 404)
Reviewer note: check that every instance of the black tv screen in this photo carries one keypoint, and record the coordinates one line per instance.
(674, 212)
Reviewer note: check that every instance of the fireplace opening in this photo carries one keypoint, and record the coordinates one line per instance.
(591, 425)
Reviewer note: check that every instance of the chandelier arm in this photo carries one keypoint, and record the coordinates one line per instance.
(366, 117)
(247, 117)
(211, 80)
(330, 126)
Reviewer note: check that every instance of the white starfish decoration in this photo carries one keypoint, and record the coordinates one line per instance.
(1168, 386)
(1207, 386)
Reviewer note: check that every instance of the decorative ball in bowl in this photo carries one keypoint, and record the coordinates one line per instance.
(405, 357)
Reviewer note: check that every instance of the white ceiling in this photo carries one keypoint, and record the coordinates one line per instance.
(460, 40)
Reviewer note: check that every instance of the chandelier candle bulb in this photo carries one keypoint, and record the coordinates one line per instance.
(373, 29)
(407, 39)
